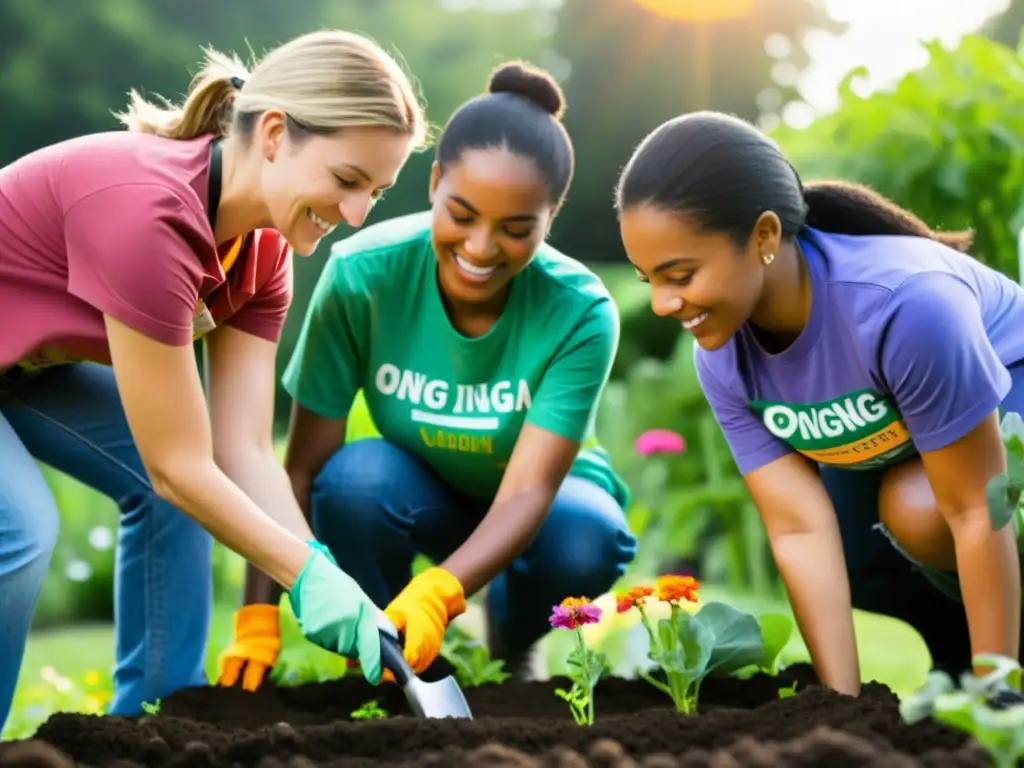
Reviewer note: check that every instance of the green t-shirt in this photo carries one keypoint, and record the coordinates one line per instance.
(376, 323)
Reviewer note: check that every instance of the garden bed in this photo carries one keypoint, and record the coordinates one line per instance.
(741, 723)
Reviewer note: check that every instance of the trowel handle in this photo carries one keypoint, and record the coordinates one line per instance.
(391, 656)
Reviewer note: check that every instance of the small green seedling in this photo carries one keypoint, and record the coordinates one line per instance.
(788, 691)
(151, 708)
(1000, 732)
(586, 665)
(472, 663)
(371, 710)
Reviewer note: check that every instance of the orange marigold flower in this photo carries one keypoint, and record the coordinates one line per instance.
(673, 588)
(632, 597)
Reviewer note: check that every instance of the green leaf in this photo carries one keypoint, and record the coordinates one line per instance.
(686, 644)
(288, 625)
(300, 661)
(776, 631)
(1012, 430)
(955, 709)
(597, 667)
(736, 640)
(997, 494)
(919, 705)
(1000, 732)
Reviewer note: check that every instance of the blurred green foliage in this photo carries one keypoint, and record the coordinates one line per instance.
(947, 142)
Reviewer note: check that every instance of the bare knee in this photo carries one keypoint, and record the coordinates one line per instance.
(906, 506)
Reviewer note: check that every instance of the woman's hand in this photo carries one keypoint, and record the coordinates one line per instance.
(167, 414)
(335, 614)
(422, 612)
(804, 535)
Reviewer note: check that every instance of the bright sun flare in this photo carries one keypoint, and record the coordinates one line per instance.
(699, 10)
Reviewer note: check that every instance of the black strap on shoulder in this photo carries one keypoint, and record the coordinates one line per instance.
(216, 164)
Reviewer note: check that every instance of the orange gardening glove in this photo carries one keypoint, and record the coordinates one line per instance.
(255, 647)
(422, 611)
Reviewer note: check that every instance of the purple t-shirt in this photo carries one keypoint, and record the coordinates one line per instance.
(906, 350)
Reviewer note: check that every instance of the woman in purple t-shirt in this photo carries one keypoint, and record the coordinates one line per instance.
(856, 362)
(117, 251)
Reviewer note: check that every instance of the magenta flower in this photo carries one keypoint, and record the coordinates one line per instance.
(574, 612)
(660, 441)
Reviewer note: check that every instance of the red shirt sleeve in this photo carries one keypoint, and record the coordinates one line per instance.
(264, 314)
(134, 252)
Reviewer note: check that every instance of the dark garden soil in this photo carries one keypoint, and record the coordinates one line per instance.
(742, 723)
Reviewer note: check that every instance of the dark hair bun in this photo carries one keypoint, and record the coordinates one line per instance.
(530, 82)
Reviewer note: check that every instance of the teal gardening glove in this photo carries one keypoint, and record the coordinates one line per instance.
(333, 612)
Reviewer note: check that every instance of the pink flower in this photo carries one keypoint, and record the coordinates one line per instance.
(660, 441)
(574, 612)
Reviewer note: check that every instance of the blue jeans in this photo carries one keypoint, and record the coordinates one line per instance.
(884, 578)
(376, 506)
(70, 418)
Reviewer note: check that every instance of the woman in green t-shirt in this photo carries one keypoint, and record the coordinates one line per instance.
(482, 353)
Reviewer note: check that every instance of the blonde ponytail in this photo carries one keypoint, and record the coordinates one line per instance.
(325, 81)
(208, 107)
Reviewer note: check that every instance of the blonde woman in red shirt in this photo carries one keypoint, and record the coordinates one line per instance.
(117, 251)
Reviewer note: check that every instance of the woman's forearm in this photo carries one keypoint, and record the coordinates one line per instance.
(260, 588)
(989, 569)
(812, 567)
(265, 481)
(205, 493)
(504, 533)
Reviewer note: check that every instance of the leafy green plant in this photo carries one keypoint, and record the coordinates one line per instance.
(1004, 490)
(371, 710)
(689, 647)
(975, 707)
(300, 661)
(776, 631)
(472, 663)
(947, 142)
(586, 667)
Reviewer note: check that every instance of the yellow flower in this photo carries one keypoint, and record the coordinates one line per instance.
(92, 678)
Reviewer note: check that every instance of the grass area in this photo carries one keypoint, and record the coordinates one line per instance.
(68, 669)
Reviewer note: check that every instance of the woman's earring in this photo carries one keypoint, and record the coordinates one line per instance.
(768, 258)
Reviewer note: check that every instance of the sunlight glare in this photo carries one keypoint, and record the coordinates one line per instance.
(699, 10)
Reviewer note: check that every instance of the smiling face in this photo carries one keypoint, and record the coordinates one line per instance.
(312, 185)
(702, 280)
(492, 210)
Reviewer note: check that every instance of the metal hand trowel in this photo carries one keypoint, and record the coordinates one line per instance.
(441, 699)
